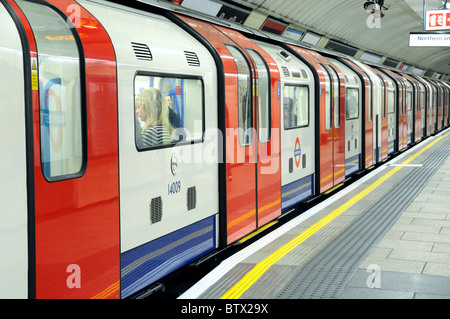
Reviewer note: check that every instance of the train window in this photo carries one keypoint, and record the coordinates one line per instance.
(245, 114)
(370, 99)
(61, 93)
(335, 96)
(351, 103)
(263, 91)
(391, 100)
(296, 106)
(168, 110)
(410, 100)
(383, 96)
(327, 97)
(422, 98)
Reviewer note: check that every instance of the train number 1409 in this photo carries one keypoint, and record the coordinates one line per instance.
(173, 188)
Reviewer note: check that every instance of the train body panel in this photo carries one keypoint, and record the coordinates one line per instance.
(103, 201)
(167, 187)
(13, 195)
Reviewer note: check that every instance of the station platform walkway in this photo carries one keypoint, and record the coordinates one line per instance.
(386, 236)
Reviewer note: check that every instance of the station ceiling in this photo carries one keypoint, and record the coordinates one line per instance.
(348, 22)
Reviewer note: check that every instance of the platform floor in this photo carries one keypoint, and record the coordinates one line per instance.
(385, 236)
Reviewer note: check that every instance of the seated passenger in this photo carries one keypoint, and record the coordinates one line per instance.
(152, 109)
(178, 133)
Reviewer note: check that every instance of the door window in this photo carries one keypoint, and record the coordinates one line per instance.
(61, 102)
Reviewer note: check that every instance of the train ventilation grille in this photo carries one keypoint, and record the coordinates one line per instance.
(285, 71)
(142, 51)
(191, 198)
(192, 58)
(155, 210)
(304, 74)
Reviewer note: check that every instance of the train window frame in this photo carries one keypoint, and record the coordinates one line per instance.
(245, 134)
(328, 97)
(307, 107)
(45, 117)
(410, 100)
(269, 96)
(383, 96)
(391, 110)
(336, 96)
(370, 98)
(172, 143)
(347, 117)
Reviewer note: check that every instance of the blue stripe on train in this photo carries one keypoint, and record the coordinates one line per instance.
(143, 265)
(295, 192)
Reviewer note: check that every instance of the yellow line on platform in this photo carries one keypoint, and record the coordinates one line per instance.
(254, 274)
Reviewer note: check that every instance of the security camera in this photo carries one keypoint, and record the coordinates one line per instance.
(376, 7)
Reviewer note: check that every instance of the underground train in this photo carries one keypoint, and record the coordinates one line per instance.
(94, 206)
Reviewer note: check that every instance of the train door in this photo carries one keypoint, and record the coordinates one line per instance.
(76, 203)
(392, 115)
(247, 150)
(382, 117)
(446, 104)
(377, 104)
(354, 128)
(329, 127)
(376, 117)
(423, 103)
(332, 116)
(336, 114)
(297, 126)
(432, 107)
(402, 117)
(15, 188)
(266, 124)
(417, 94)
(440, 106)
(410, 105)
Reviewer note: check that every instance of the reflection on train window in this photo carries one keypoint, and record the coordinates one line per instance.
(351, 103)
(335, 96)
(263, 90)
(245, 116)
(391, 101)
(60, 100)
(410, 100)
(295, 106)
(168, 110)
(327, 97)
(422, 98)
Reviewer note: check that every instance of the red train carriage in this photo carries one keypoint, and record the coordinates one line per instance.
(98, 205)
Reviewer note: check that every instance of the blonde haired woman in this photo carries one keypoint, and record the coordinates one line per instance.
(152, 109)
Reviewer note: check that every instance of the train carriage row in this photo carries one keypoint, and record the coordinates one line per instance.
(89, 209)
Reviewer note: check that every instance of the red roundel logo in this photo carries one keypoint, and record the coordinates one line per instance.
(297, 152)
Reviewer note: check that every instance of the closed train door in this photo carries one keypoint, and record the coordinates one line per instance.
(266, 127)
(354, 125)
(330, 128)
(250, 189)
(74, 139)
